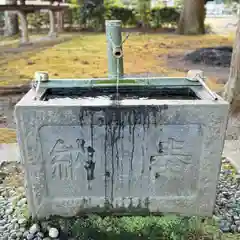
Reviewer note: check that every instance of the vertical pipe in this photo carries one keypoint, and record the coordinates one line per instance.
(114, 48)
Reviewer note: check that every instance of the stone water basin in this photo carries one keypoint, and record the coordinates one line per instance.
(139, 151)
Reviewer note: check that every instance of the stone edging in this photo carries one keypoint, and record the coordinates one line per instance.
(9, 152)
(231, 153)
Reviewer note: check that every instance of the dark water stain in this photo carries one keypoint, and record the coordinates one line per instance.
(112, 129)
(152, 159)
(114, 120)
(90, 164)
(107, 174)
(160, 147)
(105, 163)
(157, 175)
(132, 151)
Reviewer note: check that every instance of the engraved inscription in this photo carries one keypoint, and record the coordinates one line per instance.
(122, 161)
(32, 156)
(174, 165)
(172, 147)
(171, 159)
(73, 160)
(62, 159)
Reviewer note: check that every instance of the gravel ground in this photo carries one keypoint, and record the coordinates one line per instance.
(14, 218)
(227, 207)
(15, 224)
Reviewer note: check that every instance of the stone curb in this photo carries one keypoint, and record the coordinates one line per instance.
(231, 152)
(9, 153)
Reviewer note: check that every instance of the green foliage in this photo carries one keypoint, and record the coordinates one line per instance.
(73, 13)
(208, 28)
(120, 13)
(235, 6)
(143, 11)
(229, 2)
(74, 3)
(113, 3)
(76, 12)
(1, 16)
(166, 15)
(38, 20)
(178, 4)
(133, 228)
(92, 14)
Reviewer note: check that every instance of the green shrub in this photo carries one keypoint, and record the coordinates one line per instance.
(126, 15)
(208, 28)
(75, 15)
(93, 16)
(162, 16)
(143, 12)
(38, 20)
(137, 228)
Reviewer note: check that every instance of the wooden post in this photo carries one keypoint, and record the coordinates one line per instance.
(60, 21)
(11, 21)
(24, 27)
(52, 28)
(70, 18)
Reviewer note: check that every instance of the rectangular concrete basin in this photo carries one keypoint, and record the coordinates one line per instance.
(149, 149)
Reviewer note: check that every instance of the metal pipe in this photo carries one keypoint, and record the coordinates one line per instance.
(114, 48)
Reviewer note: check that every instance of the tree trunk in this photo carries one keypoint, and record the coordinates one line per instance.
(192, 18)
(232, 88)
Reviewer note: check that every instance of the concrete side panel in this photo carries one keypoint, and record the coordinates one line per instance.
(132, 160)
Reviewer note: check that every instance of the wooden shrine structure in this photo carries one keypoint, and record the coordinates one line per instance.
(22, 8)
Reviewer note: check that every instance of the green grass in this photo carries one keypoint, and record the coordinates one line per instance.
(169, 227)
(7, 135)
(85, 56)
